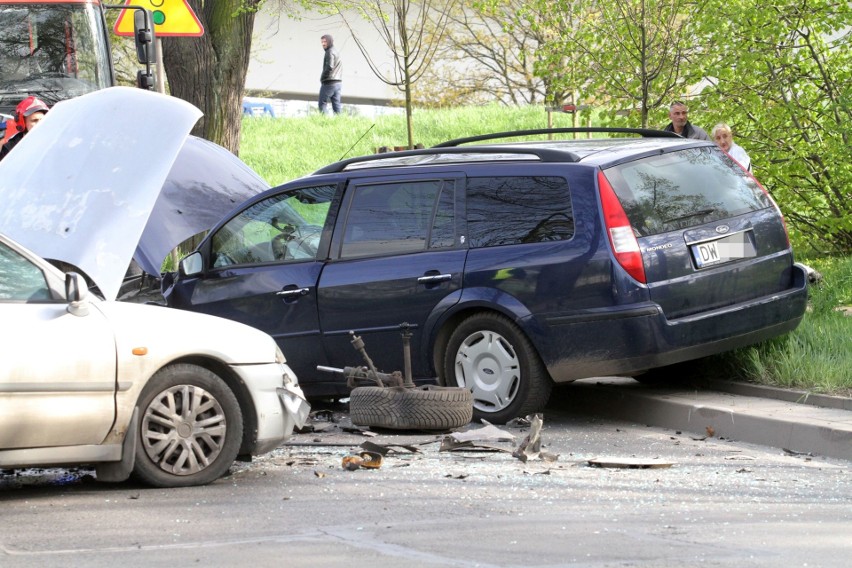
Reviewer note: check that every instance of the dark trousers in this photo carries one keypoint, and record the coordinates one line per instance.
(330, 92)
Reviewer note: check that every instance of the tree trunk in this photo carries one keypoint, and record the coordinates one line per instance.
(210, 71)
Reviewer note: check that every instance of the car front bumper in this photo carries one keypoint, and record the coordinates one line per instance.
(280, 408)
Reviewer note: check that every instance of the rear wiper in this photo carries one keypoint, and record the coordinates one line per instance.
(699, 213)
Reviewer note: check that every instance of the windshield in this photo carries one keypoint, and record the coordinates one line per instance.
(53, 51)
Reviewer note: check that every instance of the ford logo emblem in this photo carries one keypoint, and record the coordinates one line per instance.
(722, 229)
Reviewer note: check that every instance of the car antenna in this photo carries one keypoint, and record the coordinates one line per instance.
(356, 142)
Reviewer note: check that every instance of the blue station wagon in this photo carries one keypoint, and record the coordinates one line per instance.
(517, 264)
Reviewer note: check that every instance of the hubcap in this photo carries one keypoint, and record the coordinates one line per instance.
(487, 364)
(183, 429)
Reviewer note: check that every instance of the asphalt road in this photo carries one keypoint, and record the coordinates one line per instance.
(709, 500)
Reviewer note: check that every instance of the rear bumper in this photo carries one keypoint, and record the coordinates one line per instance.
(640, 337)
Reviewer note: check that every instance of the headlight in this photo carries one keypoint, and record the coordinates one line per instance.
(279, 356)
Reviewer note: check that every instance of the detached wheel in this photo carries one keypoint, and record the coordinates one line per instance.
(400, 408)
(489, 355)
(190, 429)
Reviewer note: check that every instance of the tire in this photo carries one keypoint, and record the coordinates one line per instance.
(492, 357)
(424, 408)
(176, 447)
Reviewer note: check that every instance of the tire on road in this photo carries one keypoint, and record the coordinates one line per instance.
(190, 428)
(424, 408)
(493, 358)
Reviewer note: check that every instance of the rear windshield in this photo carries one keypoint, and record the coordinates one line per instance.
(682, 189)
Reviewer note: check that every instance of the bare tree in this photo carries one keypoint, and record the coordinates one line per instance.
(483, 58)
(511, 51)
(410, 30)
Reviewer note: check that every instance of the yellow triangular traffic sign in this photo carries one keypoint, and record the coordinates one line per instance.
(171, 18)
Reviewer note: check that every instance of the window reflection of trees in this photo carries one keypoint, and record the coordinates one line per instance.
(52, 52)
(243, 239)
(513, 210)
(684, 189)
(663, 205)
(390, 218)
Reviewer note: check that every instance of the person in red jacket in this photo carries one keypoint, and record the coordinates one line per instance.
(28, 114)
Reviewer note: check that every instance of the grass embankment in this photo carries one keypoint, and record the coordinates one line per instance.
(283, 149)
(816, 357)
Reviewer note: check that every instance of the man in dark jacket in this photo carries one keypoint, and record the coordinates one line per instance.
(332, 76)
(28, 113)
(680, 124)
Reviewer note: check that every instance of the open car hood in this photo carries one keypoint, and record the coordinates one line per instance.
(205, 182)
(111, 176)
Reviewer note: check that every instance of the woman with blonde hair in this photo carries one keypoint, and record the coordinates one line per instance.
(724, 138)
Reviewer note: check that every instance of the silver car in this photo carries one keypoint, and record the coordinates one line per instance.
(130, 388)
(170, 396)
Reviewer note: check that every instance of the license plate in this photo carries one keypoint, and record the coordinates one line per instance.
(726, 249)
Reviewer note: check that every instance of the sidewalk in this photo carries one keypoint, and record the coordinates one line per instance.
(779, 418)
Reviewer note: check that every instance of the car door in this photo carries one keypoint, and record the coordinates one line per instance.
(397, 256)
(262, 268)
(58, 371)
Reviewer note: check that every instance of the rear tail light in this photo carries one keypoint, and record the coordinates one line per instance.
(621, 238)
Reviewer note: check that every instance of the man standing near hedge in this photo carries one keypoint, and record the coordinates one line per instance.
(680, 123)
(332, 76)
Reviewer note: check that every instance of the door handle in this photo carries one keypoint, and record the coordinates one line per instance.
(293, 293)
(434, 279)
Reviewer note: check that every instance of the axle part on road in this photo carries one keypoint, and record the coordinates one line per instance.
(369, 373)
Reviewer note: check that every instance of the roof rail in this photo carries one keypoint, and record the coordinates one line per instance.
(542, 154)
(644, 132)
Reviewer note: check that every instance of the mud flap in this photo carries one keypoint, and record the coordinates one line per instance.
(114, 472)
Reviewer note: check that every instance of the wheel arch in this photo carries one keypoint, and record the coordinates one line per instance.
(474, 303)
(240, 390)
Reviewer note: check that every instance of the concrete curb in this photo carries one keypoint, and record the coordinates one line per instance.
(789, 395)
(775, 422)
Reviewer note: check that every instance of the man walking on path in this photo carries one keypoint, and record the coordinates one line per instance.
(332, 76)
(680, 124)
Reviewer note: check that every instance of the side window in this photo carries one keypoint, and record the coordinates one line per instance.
(281, 228)
(444, 226)
(395, 218)
(20, 279)
(516, 210)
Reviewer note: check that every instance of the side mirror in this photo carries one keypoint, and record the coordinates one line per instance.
(144, 80)
(143, 36)
(76, 292)
(192, 265)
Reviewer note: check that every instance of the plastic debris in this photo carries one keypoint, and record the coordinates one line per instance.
(530, 448)
(632, 463)
(352, 462)
(488, 433)
(365, 459)
(450, 445)
(385, 449)
(371, 460)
